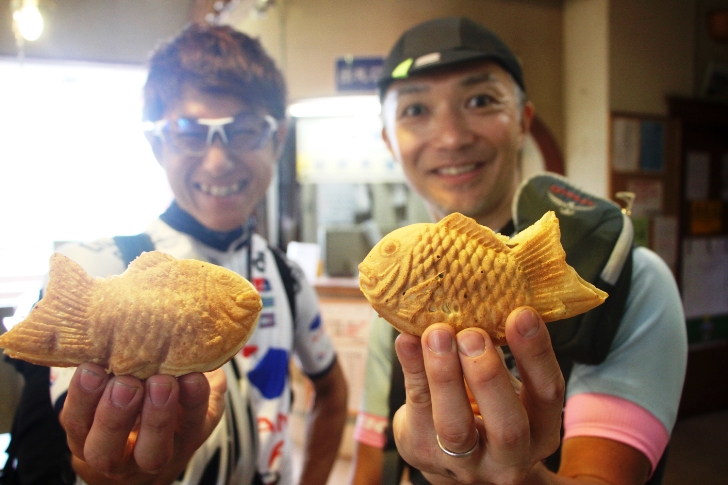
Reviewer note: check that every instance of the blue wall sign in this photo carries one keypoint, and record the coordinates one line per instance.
(358, 73)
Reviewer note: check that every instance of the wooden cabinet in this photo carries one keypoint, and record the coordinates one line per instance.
(699, 142)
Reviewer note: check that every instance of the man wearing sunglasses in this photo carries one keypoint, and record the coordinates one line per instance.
(214, 105)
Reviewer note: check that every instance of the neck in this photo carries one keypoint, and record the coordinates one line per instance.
(495, 217)
(499, 216)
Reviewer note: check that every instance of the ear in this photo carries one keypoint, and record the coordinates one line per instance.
(527, 117)
(156, 143)
(391, 144)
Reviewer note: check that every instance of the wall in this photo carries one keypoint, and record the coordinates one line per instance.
(651, 53)
(307, 36)
(582, 58)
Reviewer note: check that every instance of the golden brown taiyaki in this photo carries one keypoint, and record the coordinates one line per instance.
(459, 272)
(161, 316)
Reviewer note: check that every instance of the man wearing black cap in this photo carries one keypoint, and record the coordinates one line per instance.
(456, 117)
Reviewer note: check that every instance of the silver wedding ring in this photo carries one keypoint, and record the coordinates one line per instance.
(460, 455)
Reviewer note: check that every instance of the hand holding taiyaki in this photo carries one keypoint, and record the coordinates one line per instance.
(161, 316)
(464, 274)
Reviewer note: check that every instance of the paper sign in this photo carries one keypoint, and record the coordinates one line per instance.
(648, 198)
(625, 144)
(705, 276)
(664, 237)
(698, 173)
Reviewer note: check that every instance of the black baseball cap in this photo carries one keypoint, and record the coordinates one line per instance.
(444, 42)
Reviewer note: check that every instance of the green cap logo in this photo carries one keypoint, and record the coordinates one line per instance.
(400, 72)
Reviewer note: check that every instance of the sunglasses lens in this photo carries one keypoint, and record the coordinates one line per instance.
(248, 132)
(188, 136)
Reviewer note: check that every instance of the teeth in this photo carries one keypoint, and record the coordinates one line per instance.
(456, 170)
(220, 190)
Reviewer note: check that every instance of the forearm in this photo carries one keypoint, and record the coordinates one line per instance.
(586, 461)
(324, 427)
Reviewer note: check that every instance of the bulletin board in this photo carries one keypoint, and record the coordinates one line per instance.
(641, 162)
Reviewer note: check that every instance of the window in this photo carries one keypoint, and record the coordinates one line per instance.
(74, 163)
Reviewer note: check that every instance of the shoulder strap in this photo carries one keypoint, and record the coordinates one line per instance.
(132, 246)
(37, 435)
(289, 282)
(393, 464)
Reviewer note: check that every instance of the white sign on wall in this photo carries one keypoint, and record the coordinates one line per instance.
(346, 149)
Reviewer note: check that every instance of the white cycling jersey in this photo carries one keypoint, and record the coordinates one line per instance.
(259, 387)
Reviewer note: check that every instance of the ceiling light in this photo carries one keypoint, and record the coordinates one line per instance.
(28, 20)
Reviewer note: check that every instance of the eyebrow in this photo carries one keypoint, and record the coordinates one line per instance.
(479, 78)
(472, 80)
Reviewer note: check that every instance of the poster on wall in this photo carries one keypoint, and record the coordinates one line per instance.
(625, 144)
(638, 144)
(705, 276)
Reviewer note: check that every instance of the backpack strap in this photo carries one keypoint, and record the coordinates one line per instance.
(289, 281)
(393, 465)
(132, 246)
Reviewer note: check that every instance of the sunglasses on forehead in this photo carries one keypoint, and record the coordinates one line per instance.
(193, 136)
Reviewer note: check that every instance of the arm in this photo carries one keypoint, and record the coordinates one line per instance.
(325, 425)
(367, 464)
(123, 430)
(518, 430)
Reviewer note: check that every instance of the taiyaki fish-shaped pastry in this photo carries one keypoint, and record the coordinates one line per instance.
(161, 316)
(459, 272)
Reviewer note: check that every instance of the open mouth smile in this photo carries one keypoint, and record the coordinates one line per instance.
(221, 190)
(457, 170)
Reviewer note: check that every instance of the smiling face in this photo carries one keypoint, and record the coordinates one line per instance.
(220, 188)
(458, 134)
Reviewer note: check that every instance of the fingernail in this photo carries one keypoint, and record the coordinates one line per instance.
(440, 341)
(121, 394)
(409, 348)
(471, 343)
(159, 393)
(190, 385)
(90, 381)
(527, 323)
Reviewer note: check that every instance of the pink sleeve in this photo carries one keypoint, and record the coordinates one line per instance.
(611, 417)
(369, 429)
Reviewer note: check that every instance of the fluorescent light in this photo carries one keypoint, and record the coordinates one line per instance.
(336, 106)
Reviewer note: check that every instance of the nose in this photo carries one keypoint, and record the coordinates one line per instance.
(216, 160)
(450, 129)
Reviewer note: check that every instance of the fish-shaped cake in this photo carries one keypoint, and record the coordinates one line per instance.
(160, 316)
(464, 274)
